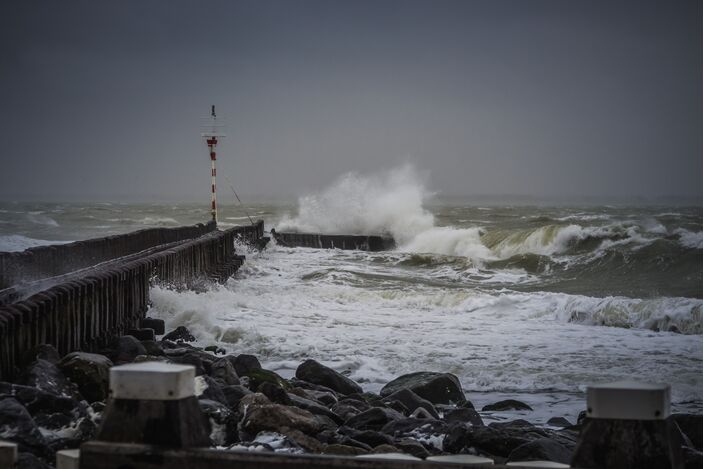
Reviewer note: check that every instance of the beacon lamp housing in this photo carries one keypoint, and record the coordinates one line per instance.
(628, 400)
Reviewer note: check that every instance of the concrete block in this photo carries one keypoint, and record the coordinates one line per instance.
(545, 464)
(628, 400)
(8, 454)
(466, 459)
(68, 459)
(394, 456)
(152, 381)
(153, 323)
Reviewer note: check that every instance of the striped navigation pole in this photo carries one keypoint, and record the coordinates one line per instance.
(211, 132)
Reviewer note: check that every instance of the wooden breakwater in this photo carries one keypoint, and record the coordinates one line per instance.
(328, 241)
(87, 309)
(48, 261)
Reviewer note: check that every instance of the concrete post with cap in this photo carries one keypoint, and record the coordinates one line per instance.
(627, 427)
(154, 403)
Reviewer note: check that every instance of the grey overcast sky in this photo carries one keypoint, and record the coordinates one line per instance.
(102, 100)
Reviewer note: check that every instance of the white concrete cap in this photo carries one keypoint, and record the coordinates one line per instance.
(405, 457)
(545, 464)
(8, 454)
(68, 459)
(461, 459)
(628, 400)
(155, 381)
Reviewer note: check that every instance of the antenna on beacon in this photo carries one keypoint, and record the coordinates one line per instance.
(212, 130)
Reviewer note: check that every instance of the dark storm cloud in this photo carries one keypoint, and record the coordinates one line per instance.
(103, 99)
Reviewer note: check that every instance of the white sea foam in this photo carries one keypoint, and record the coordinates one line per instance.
(14, 243)
(689, 239)
(286, 305)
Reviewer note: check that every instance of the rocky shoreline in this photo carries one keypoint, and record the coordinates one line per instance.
(57, 402)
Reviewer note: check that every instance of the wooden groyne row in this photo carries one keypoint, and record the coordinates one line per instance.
(48, 261)
(324, 241)
(85, 312)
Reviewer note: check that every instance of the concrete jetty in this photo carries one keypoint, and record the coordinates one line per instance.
(332, 241)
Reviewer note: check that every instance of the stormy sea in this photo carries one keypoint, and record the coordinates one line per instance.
(523, 300)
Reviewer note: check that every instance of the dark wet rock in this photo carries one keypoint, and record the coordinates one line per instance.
(223, 371)
(508, 404)
(343, 450)
(90, 372)
(411, 401)
(46, 376)
(17, 426)
(394, 405)
(42, 352)
(213, 390)
(181, 333)
(581, 417)
(358, 404)
(125, 349)
(438, 388)
(542, 449)
(314, 372)
(313, 407)
(327, 436)
(275, 393)
(39, 402)
(276, 417)
(348, 441)
(153, 349)
(326, 423)
(214, 349)
(373, 419)
(559, 422)
(257, 377)
(404, 427)
(326, 398)
(30, 461)
(188, 358)
(456, 438)
(464, 415)
(142, 333)
(691, 426)
(412, 447)
(345, 410)
(222, 421)
(152, 323)
(385, 449)
(233, 394)
(308, 443)
(368, 437)
(299, 383)
(244, 364)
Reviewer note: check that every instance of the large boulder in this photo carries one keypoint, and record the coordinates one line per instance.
(258, 376)
(508, 404)
(222, 421)
(463, 415)
(411, 401)
(244, 363)
(46, 376)
(90, 372)
(222, 370)
(181, 333)
(373, 419)
(313, 407)
(125, 349)
(278, 418)
(17, 426)
(234, 394)
(315, 373)
(438, 388)
(542, 449)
